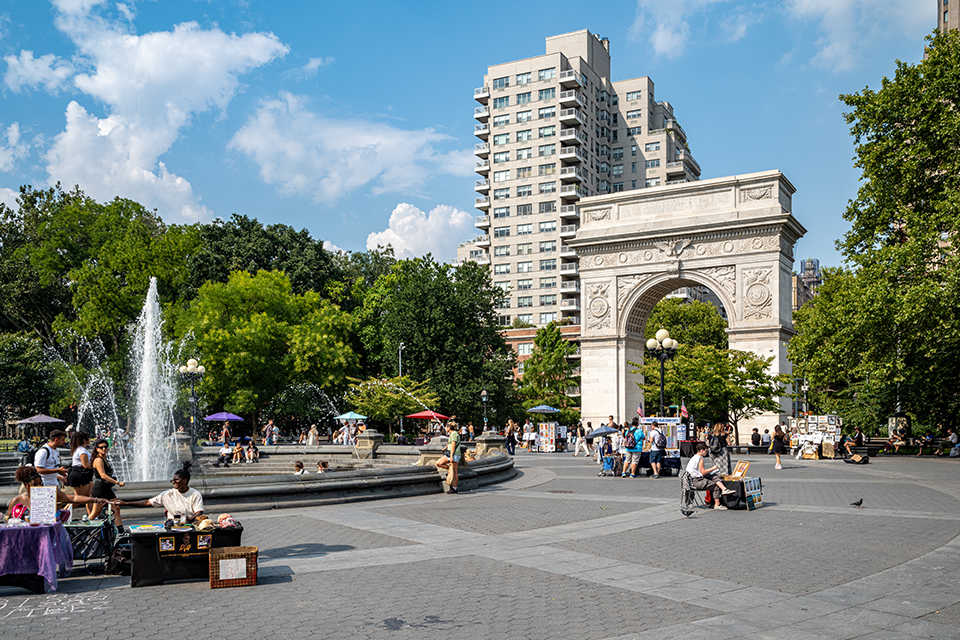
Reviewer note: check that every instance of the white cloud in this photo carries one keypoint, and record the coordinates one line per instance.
(414, 233)
(25, 71)
(325, 158)
(848, 25)
(12, 148)
(332, 248)
(151, 86)
(9, 197)
(666, 24)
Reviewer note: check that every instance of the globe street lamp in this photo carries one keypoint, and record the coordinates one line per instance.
(663, 347)
(192, 372)
(484, 397)
(400, 375)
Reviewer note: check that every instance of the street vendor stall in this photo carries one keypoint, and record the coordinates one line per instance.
(675, 431)
(180, 553)
(31, 556)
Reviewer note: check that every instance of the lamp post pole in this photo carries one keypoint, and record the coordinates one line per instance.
(191, 371)
(400, 375)
(484, 397)
(662, 347)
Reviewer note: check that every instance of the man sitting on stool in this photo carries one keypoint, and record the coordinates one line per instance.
(698, 476)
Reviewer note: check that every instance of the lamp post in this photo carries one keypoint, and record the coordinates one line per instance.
(484, 397)
(192, 372)
(663, 347)
(805, 387)
(400, 375)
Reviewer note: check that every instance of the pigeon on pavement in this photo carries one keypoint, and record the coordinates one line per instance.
(858, 504)
(686, 514)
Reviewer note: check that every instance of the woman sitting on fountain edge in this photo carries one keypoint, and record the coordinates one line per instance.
(179, 501)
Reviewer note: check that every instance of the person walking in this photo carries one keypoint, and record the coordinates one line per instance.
(451, 458)
(633, 447)
(581, 442)
(778, 444)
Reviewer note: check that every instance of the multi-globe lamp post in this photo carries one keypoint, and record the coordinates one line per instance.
(662, 347)
(484, 398)
(192, 371)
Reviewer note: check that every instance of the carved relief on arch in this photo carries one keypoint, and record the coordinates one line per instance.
(726, 277)
(757, 299)
(598, 306)
(626, 285)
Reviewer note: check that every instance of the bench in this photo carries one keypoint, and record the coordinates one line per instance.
(750, 449)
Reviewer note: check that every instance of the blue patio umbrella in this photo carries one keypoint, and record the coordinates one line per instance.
(350, 415)
(223, 416)
(542, 408)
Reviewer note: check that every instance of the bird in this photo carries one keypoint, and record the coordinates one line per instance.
(858, 504)
(685, 513)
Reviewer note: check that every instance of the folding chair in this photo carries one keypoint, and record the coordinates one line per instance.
(688, 494)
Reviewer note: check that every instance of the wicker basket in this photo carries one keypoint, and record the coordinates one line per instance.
(233, 567)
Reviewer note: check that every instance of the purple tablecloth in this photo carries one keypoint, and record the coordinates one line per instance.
(37, 551)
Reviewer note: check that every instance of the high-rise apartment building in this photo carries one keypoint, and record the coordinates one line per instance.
(948, 15)
(553, 129)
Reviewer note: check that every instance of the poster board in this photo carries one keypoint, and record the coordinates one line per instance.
(548, 437)
(752, 489)
(43, 505)
(670, 428)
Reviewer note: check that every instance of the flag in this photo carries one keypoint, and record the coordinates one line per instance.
(683, 410)
(640, 410)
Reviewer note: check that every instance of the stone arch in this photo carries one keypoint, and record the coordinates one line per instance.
(640, 302)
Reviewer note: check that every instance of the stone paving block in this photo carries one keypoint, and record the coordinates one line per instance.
(652, 581)
(736, 625)
(928, 629)
(694, 589)
(911, 606)
(740, 599)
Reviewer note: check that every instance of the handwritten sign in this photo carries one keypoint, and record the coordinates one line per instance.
(43, 505)
(233, 569)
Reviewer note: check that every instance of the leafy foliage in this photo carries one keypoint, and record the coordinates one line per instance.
(549, 375)
(690, 323)
(27, 387)
(384, 401)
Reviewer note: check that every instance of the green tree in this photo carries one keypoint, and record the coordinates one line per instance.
(27, 387)
(256, 338)
(690, 323)
(549, 376)
(385, 401)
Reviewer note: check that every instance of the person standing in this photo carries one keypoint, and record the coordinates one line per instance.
(658, 442)
(225, 434)
(511, 435)
(717, 445)
(47, 460)
(528, 435)
(313, 436)
(81, 466)
(778, 444)
(266, 432)
(581, 441)
(451, 457)
(633, 448)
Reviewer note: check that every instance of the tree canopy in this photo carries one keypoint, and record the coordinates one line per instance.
(690, 323)
(549, 375)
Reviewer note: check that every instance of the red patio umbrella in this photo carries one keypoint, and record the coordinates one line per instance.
(428, 415)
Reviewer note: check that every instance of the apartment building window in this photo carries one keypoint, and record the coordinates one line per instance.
(503, 321)
(547, 94)
(501, 176)
(548, 187)
(546, 112)
(548, 227)
(501, 139)
(525, 154)
(503, 284)
(525, 301)
(502, 303)
(636, 113)
(501, 194)
(524, 209)
(501, 268)
(547, 150)
(604, 150)
(523, 78)
(547, 318)
(476, 255)
(524, 191)
(633, 150)
(548, 246)
(525, 248)
(501, 232)
(633, 167)
(523, 98)
(548, 207)
(652, 146)
(633, 184)
(524, 172)
(501, 83)
(524, 267)
(548, 265)
(548, 283)
(652, 182)
(617, 153)
(523, 136)
(501, 103)
(501, 212)
(633, 95)
(548, 301)
(604, 185)
(524, 116)
(525, 348)
(525, 284)
(547, 132)
(617, 187)
(524, 229)
(635, 131)
(652, 164)
(548, 169)
(501, 251)
(501, 121)
(501, 156)
(547, 74)
(617, 169)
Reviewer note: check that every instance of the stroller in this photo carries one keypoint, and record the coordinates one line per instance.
(612, 463)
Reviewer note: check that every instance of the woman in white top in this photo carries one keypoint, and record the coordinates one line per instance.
(298, 468)
(179, 501)
(699, 477)
(81, 467)
(313, 436)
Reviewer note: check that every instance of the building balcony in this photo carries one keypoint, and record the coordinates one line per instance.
(483, 166)
(481, 113)
(565, 251)
(566, 269)
(482, 222)
(573, 191)
(682, 181)
(568, 231)
(482, 202)
(574, 136)
(573, 97)
(676, 168)
(481, 149)
(690, 162)
(481, 130)
(570, 211)
(674, 126)
(482, 241)
(570, 304)
(570, 78)
(570, 286)
(571, 116)
(572, 154)
(481, 94)
(482, 185)
(573, 174)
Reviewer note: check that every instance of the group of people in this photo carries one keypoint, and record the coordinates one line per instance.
(778, 444)
(237, 453)
(900, 438)
(298, 470)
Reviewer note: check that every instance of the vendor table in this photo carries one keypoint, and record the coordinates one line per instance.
(31, 556)
(159, 556)
(92, 540)
(733, 500)
(666, 463)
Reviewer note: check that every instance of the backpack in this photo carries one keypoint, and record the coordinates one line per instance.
(630, 442)
(659, 440)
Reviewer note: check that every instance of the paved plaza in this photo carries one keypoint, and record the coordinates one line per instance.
(561, 553)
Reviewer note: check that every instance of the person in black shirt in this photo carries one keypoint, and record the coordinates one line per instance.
(857, 440)
(755, 438)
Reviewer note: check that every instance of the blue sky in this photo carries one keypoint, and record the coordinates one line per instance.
(354, 120)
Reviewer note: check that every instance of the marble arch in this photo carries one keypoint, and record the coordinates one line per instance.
(734, 235)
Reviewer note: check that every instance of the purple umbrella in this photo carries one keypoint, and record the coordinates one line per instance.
(222, 416)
